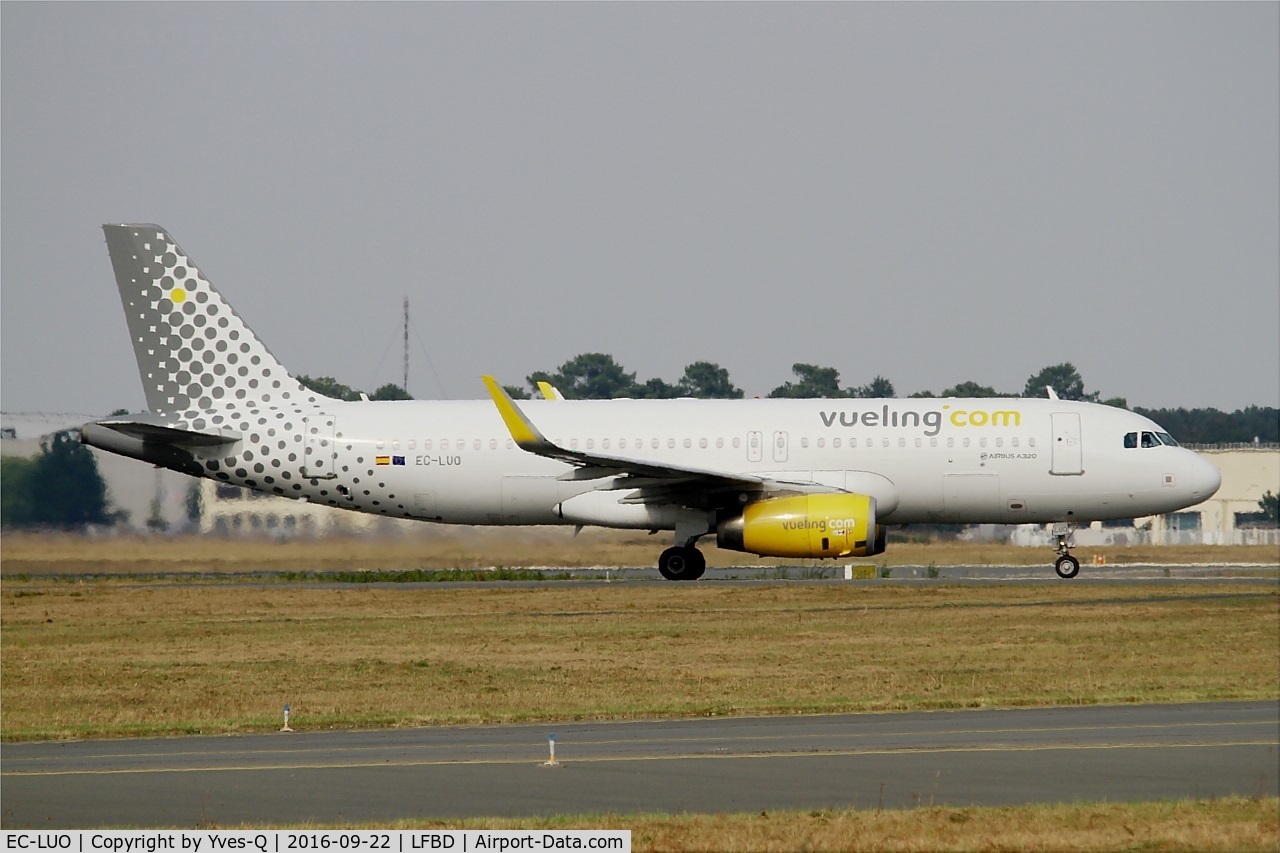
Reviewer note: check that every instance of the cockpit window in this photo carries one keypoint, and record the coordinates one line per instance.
(1148, 439)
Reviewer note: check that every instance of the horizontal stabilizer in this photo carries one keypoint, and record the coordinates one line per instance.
(149, 439)
(158, 430)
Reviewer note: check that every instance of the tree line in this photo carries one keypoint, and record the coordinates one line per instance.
(598, 376)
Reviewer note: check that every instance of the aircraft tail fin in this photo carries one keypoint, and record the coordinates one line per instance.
(193, 350)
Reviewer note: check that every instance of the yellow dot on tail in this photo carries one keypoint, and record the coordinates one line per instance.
(178, 295)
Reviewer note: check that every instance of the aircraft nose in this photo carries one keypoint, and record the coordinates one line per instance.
(1203, 477)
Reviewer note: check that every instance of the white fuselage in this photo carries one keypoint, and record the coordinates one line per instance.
(947, 460)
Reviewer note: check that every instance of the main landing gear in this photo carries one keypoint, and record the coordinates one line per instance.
(1066, 565)
(682, 563)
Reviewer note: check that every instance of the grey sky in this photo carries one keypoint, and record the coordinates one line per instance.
(935, 193)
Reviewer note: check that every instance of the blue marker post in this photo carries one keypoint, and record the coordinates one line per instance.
(551, 742)
(286, 720)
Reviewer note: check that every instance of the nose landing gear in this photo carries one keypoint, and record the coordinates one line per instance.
(1066, 565)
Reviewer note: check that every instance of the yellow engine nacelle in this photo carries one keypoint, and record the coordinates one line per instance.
(823, 525)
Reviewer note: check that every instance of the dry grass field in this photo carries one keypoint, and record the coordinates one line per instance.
(436, 547)
(110, 658)
(1231, 826)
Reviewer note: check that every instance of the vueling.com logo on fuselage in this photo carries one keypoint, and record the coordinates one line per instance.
(930, 421)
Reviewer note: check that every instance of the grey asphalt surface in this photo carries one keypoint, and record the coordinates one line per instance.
(822, 572)
(959, 758)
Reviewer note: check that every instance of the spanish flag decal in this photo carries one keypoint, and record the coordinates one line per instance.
(383, 460)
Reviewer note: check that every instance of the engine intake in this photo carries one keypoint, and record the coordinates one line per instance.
(822, 525)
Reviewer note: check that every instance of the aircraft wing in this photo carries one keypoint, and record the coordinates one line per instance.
(657, 482)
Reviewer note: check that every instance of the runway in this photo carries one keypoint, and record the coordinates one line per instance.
(959, 758)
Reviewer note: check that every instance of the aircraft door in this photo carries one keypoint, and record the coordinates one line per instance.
(755, 450)
(320, 457)
(779, 446)
(1068, 457)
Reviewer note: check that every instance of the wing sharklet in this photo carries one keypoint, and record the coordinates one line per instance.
(522, 430)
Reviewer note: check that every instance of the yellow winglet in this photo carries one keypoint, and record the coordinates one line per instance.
(521, 428)
(549, 391)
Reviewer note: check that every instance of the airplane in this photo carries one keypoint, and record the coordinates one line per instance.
(817, 478)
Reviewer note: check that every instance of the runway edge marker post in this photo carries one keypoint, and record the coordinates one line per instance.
(551, 744)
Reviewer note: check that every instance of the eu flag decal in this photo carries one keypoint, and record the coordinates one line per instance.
(397, 460)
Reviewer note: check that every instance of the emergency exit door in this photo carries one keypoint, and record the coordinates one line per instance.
(779, 446)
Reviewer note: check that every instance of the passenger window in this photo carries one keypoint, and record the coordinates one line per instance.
(475, 444)
(573, 444)
(604, 444)
(835, 442)
(413, 443)
(933, 442)
(1031, 442)
(493, 444)
(426, 444)
(702, 443)
(737, 443)
(982, 442)
(804, 442)
(671, 444)
(688, 443)
(719, 443)
(395, 445)
(822, 442)
(999, 442)
(902, 442)
(591, 444)
(884, 442)
(951, 442)
(444, 444)
(966, 442)
(510, 444)
(919, 442)
(653, 442)
(1130, 440)
(381, 444)
(1015, 441)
